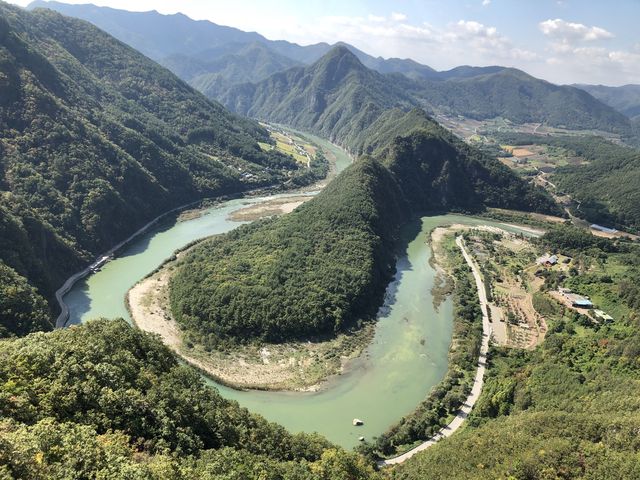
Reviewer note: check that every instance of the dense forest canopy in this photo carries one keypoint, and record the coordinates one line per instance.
(96, 140)
(335, 97)
(517, 96)
(625, 98)
(216, 59)
(339, 97)
(104, 400)
(312, 272)
(606, 187)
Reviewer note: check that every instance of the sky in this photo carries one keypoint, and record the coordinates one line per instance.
(563, 41)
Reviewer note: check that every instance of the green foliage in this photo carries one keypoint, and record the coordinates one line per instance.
(104, 400)
(22, 310)
(606, 187)
(566, 237)
(337, 97)
(625, 98)
(459, 176)
(512, 94)
(312, 272)
(244, 63)
(324, 267)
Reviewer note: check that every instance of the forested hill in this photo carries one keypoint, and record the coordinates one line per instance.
(519, 97)
(179, 42)
(606, 188)
(324, 267)
(214, 58)
(211, 72)
(335, 97)
(625, 98)
(95, 141)
(568, 409)
(105, 400)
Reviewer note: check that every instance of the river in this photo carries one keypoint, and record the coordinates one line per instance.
(407, 357)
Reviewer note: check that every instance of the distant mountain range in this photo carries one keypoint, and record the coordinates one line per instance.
(339, 97)
(625, 99)
(174, 39)
(216, 59)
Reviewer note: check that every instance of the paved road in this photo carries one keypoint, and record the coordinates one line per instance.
(478, 381)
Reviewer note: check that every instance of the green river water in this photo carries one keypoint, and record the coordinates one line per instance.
(407, 357)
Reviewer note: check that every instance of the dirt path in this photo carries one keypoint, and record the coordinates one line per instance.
(478, 381)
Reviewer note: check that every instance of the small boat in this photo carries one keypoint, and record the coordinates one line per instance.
(357, 422)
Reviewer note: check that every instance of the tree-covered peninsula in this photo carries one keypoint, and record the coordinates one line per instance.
(325, 266)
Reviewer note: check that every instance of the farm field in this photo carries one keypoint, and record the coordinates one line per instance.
(535, 159)
(289, 143)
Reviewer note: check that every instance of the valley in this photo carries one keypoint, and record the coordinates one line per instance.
(302, 262)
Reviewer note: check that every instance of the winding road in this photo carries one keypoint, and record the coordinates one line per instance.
(478, 381)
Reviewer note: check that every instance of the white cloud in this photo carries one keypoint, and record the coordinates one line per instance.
(471, 28)
(574, 52)
(592, 64)
(398, 17)
(575, 55)
(570, 32)
(484, 41)
(375, 18)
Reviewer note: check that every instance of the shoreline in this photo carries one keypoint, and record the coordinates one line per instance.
(63, 317)
(478, 382)
(292, 367)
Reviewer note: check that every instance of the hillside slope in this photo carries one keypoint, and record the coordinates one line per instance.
(569, 408)
(218, 54)
(104, 400)
(519, 97)
(625, 99)
(336, 97)
(96, 140)
(605, 186)
(178, 42)
(252, 62)
(338, 87)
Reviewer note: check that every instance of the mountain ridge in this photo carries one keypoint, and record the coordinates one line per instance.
(439, 91)
(625, 98)
(302, 98)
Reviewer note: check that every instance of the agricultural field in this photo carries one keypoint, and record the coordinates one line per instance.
(486, 130)
(289, 143)
(506, 261)
(538, 159)
(526, 295)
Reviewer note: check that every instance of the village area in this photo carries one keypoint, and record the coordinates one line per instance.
(523, 284)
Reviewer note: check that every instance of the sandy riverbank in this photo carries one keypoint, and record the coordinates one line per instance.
(270, 208)
(298, 366)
